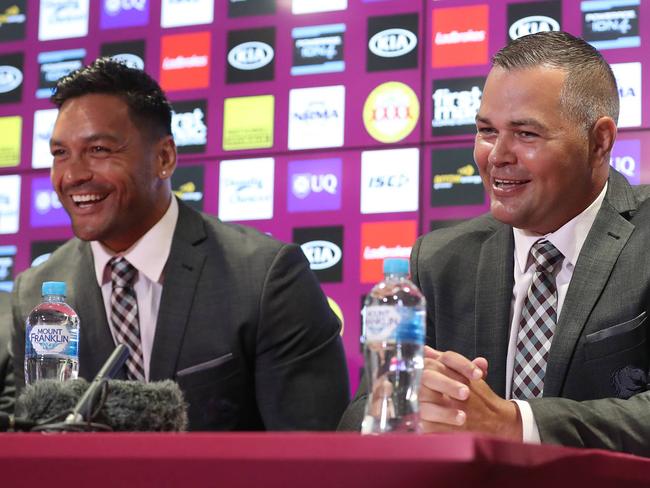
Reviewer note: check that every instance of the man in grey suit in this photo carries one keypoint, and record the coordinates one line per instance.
(235, 317)
(544, 301)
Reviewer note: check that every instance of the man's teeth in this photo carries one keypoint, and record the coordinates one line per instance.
(508, 182)
(85, 198)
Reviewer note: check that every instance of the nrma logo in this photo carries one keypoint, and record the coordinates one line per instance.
(321, 254)
(316, 111)
(250, 55)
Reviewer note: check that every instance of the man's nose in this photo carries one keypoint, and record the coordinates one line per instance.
(77, 171)
(501, 152)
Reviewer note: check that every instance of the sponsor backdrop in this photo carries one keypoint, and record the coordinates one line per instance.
(345, 126)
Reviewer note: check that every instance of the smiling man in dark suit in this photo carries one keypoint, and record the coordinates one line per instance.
(544, 300)
(235, 317)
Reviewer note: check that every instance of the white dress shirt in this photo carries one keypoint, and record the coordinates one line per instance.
(148, 255)
(568, 239)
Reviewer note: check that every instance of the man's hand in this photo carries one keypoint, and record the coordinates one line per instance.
(455, 397)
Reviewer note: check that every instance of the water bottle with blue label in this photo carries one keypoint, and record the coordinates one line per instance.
(393, 338)
(52, 337)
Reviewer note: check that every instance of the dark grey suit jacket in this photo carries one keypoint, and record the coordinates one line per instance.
(599, 356)
(243, 327)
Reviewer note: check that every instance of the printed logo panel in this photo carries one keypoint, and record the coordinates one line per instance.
(11, 77)
(248, 122)
(316, 6)
(187, 184)
(533, 17)
(391, 112)
(42, 250)
(316, 117)
(455, 178)
(43, 126)
(628, 79)
(46, 209)
(7, 261)
(185, 61)
(13, 18)
(246, 189)
(318, 49)
(246, 8)
(54, 65)
(62, 19)
(116, 14)
(611, 24)
(251, 55)
(455, 104)
(392, 42)
(387, 186)
(130, 53)
(381, 240)
(190, 126)
(9, 204)
(323, 247)
(10, 137)
(460, 36)
(626, 159)
(176, 13)
(314, 185)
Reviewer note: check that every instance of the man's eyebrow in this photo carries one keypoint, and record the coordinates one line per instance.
(92, 138)
(527, 122)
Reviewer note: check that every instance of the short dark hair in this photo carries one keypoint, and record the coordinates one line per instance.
(589, 91)
(147, 103)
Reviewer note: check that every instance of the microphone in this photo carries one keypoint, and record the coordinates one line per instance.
(83, 410)
(130, 406)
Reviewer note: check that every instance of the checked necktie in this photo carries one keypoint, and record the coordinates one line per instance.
(537, 325)
(124, 315)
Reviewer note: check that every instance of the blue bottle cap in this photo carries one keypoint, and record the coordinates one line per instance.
(396, 266)
(53, 288)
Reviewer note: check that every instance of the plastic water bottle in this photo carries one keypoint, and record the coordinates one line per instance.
(52, 337)
(393, 338)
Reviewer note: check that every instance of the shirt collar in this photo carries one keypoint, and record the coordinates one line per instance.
(149, 253)
(568, 239)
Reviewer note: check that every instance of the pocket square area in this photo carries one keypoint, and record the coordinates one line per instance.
(628, 381)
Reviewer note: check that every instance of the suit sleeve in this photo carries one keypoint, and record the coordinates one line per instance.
(609, 423)
(301, 372)
(7, 388)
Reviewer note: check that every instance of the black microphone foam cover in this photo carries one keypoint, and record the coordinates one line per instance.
(130, 405)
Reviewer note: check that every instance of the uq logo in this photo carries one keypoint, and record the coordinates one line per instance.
(321, 254)
(532, 25)
(114, 7)
(250, 55)
(45, 201)
(10, 78)
(392, 43)
(304, 184)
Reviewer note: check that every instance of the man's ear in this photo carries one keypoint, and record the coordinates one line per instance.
(603, 135)
(166, 157)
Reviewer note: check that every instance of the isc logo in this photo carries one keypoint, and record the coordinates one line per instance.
(391, 181)
(321, 254)
(250, 55)
(392, 43)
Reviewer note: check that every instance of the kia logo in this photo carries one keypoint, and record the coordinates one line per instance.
(321, 254)
(391, 43)
(532, 25)
(10, 78)
(130, 60)
(250, 55)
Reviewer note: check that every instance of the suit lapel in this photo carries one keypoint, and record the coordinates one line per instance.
(181, 277)
(601, 249)
(493, 303)
(96, 341)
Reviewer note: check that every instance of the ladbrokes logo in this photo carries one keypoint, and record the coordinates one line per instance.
(11, 77)
(381, 240)
(251, 55)
(314, 185)
(455, 178)
(460, 36)
(608, 25)
(455, 104)
(318, 49)
(12, 20)
(386, 186)
(323, 247)
(625, 158)
(189, 126)
(392, 42)
(530, 18)
(185, 61)
(391, 112)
